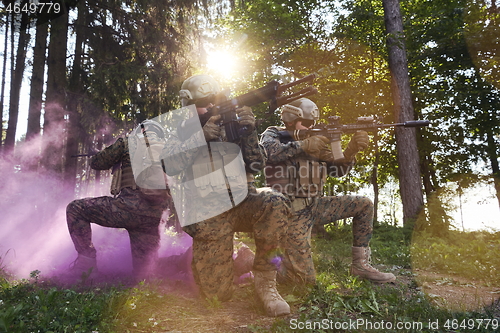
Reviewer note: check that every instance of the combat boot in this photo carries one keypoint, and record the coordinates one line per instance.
(361, 266)
(144, 268)
(82, 268)
(265, 288)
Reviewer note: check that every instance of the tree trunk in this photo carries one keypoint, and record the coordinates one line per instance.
(410, 183)
(36, 89)
(493, 157)
(55, 105)
(427, 175)
(4, 73)
(36, 92)
(76, 89)
(16, 82)
(374, 180)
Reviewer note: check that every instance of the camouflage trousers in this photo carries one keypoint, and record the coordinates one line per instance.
(297, 264)
(265, 213)
(127, 211)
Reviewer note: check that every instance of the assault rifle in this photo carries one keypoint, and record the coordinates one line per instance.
(83, 155)
(334, 130)
(116, 166)
(272, 92)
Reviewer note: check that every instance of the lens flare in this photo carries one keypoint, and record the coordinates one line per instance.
(222, 63)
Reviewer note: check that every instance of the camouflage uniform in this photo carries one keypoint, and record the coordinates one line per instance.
(129, 210)
(297, 263)
(263, 212)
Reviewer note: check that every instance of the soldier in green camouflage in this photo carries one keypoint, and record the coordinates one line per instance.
(139, 214)
(298, 169)
(211, 219)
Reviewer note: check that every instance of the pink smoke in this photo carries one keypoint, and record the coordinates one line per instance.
(33, 230)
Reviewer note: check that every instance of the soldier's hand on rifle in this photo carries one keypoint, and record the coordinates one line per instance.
(314, 145)
(326, 155)
(359, 142)
(246, 118)
(211, 130)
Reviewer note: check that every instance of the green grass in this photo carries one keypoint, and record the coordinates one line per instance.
(36, 307)
(33, 305)
(341, 299)
(471, 255)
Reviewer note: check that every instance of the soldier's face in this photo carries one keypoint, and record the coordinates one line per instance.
(203, 110)
(303, 124)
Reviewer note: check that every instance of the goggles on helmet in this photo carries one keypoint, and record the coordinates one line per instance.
(203, 102)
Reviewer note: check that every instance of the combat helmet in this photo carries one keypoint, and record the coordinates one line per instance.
(303, 108)
(198, 88)
(150, 125)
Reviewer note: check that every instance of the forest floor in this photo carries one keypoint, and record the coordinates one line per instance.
(455, 292)
(427, 293)
(185, 312)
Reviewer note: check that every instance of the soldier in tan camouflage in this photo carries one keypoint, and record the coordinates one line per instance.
(298, 169)
(261, 211)
(139, 214)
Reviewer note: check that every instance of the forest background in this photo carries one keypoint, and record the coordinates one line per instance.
(92, 70)
(97, 68)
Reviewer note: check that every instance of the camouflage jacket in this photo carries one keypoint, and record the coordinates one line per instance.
(116, 153)
(129, 199)
(282, 152)
(199, 182)
(179, 155)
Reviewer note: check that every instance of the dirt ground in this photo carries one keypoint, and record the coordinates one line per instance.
(455, 292)
(243, 313)
(239, 314)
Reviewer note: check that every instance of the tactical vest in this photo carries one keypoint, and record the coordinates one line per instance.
(217, 171)
(122, 178)
(149, 177)
(301, 178)
(148, 173)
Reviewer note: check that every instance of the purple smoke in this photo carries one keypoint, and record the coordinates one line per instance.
(33, 230)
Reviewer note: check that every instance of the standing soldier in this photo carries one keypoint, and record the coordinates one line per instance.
(132, 209)
(298, 169)
(207, 164)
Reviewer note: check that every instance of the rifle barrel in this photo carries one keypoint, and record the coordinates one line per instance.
(410, 123)
(285, 86)
(416, 123)
(349, 128)
(308, 91)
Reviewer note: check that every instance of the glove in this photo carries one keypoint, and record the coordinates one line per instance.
(314, 145)
(326, 155)
(211, 130)
(247, 119)
(359, 142)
